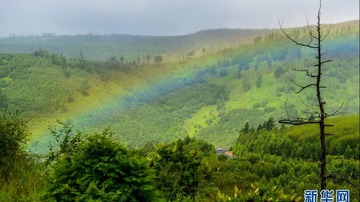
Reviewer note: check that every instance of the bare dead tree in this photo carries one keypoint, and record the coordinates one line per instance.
(318, 115)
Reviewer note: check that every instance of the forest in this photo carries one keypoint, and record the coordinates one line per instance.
(269, 163)
(155, 127)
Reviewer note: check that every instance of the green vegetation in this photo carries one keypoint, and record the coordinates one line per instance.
(98, 169)
(210, 97)
(20, 172)
(167, 119)
(129, 48)
(269, 164)
(12, 141)
(182, 169)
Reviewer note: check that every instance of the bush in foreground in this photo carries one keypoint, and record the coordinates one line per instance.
(100, 170)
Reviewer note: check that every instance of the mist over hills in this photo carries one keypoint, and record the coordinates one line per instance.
(232, 77)
(102, 47)
(136, 47)
(98, 112)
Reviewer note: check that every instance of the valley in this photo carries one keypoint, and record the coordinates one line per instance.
(165, 103)
(210, 97)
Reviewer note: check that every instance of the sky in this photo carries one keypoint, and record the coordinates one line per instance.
(163, 17)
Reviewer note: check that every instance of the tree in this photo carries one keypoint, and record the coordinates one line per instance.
(138, 60)
(148, 59)
(85, 87)
(246, 128)
(190, 55)
(100, 169)
(269, 124)
(318, 115)
(238, 74)
(21, 172)
(81, 55)
(257, 39)
(223, 72)
(41, 53)
(258, 81)
(278, 72)
(13, 137)
(246, 84)
(122, 60)
(3, 99)
(182, 168)
(158, 59)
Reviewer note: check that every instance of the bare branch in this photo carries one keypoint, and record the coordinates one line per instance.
(298, 85)
(297, 122)
(311, 35)
(323, 62)
(337, 112)
(304, 87)
(324, 53)
(310, 107)
(296, 42)
(286, 109)
(311, 113)
(308, 73)
(326, 61)
(334, 175)
(326, 35)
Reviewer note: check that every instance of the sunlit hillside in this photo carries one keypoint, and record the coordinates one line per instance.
(210, 96)
(185, 118)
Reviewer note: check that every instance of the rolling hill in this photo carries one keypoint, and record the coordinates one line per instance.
(132, 47)
(209, 96)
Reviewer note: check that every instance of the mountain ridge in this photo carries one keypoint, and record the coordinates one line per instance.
(138, 47)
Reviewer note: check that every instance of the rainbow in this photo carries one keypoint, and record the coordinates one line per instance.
(98, 117)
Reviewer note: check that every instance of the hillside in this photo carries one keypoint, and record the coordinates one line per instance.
(210, 96)
(199, 128)
(131, 47)
(136, 48)
(269, 163)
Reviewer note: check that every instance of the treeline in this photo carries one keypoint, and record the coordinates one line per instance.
(79, 166)
(113, 62)
(102, 47)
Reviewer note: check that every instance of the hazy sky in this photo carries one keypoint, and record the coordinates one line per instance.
(162, 17)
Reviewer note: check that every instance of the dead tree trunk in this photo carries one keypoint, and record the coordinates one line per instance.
(320, 114)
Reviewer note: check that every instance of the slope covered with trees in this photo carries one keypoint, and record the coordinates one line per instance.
(210, 97)
(269, 163)
(167, 118)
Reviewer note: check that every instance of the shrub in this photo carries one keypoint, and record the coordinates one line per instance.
(13, 136)
(100, 170)
(85, 87)
(182, 171)
(20, 172)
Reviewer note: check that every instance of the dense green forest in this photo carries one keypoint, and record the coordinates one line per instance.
(269, 164)
(77, 127)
